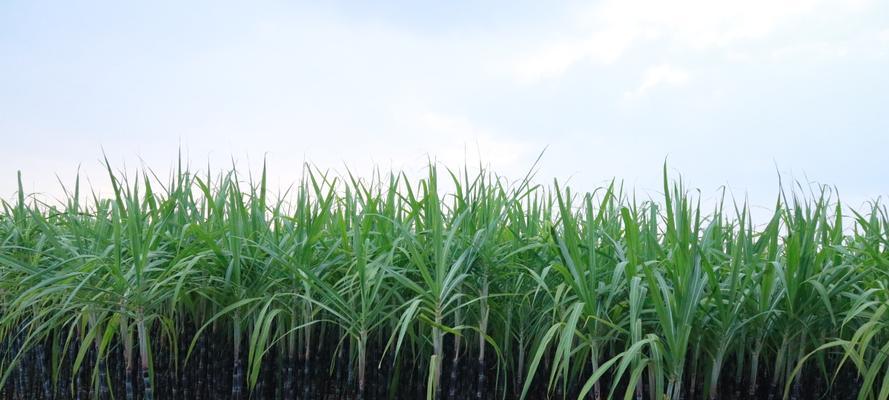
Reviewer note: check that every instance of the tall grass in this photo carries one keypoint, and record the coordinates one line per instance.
(209, 286)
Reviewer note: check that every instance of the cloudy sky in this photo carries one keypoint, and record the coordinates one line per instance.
(730, 93)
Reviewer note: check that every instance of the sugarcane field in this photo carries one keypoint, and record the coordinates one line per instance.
(213, 286)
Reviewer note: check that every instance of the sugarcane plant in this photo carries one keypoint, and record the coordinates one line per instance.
(454, 284)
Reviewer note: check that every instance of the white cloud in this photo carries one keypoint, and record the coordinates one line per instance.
(659, 75)
(455, 140)
(555, 59)
(608, 30)
(816, 50)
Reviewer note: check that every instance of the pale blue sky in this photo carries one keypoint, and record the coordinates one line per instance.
(727, 90)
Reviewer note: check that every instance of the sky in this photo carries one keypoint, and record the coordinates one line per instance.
(729, 93)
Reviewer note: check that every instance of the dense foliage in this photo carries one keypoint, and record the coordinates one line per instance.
(206, 286)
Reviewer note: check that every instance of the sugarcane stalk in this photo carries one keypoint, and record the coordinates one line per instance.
(438, 348)
(594, 364)
(289, 359)
(307, 360)
(237, 368)
(483, 328)
(754, 365)
(41, 371)
(144, 357)
(455, 362)
(797, 385)
(714, 377)
(362, 364)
